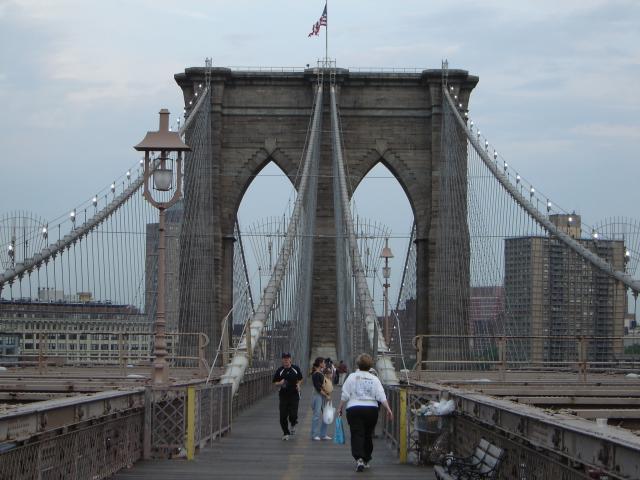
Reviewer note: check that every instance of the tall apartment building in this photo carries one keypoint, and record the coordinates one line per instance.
(552, 292)
(486, 317)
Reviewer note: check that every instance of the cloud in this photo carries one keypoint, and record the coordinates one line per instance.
(608, 130)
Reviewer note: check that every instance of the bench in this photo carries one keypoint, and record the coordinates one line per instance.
(482, 465)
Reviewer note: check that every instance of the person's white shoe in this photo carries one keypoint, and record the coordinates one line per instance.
(285, 437)
(326, 437)
(360, 465)
(317, 439)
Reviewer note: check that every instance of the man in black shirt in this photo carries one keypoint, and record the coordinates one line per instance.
(288, 376)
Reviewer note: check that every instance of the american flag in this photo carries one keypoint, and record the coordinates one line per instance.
(315, 30)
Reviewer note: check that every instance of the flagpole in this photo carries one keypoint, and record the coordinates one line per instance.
(326, 34)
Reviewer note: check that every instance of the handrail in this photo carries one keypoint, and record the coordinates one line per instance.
(122, 354)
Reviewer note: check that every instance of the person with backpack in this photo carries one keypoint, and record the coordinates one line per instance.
(321, 394)
(288, 376)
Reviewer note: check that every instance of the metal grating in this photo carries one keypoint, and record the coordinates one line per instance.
(93, 452)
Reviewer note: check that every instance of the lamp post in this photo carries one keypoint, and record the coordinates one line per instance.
(162, 173)
(386, 273)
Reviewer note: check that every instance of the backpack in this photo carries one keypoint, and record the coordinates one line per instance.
(327, 385)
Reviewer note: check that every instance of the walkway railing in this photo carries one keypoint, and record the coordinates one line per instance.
(538, 444)
(94, 437)
(583, 353)
(103, 348)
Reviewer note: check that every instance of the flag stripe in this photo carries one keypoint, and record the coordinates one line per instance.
(315, 29)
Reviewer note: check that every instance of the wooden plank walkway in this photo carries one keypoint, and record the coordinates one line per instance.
(254, 450)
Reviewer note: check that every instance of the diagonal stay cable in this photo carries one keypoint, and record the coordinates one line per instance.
(35, 261)
(538, 216)
(384, 364)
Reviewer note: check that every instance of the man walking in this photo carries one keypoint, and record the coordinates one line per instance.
(288, 376)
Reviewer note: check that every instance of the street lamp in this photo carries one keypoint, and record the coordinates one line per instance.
(386, 273)
(159, 173)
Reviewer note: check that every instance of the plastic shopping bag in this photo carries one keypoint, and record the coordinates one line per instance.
(328, 414)
(338, 437)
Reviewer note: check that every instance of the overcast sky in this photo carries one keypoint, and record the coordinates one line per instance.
(81, 81)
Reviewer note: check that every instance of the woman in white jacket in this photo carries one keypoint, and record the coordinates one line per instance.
(362, 393)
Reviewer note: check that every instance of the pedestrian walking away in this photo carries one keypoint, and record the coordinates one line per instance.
(288, 377)
(362, 393)
(318, 399)
(342, 372)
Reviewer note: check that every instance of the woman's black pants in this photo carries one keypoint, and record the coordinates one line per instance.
(362, 423)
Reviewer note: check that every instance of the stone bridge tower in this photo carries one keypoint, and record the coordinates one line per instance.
(258, 117)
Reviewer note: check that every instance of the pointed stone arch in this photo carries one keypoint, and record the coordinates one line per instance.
(249, 170)
(257, 117)
(395, 163)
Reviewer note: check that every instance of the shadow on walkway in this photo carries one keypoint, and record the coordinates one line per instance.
(255, 449)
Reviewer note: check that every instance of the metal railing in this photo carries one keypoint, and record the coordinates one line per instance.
(581, 354)
(79, 437)
(243, 68)
(180, 419)
(538, 444)
(94, 437)
(103, 348)
(255, 386)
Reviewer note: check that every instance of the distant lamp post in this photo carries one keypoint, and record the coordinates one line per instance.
(386, 273)
(162, 173)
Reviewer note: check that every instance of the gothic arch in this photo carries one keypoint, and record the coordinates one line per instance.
(248, 172)
(417, 195)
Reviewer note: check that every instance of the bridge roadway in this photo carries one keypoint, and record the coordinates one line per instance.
(254, 449)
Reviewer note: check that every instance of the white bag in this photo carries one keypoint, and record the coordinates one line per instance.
(329, 414)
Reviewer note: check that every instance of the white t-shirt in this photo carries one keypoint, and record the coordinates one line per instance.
(362, 389)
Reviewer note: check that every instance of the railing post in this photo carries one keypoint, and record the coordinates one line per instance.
(191, 422)
(403, 425)
(248, 337)
(417, 343)
(582, 357)
(40, 352)
(121, 354)
(202, 363)
(148, 427)
(502, 352)
(220, 409)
